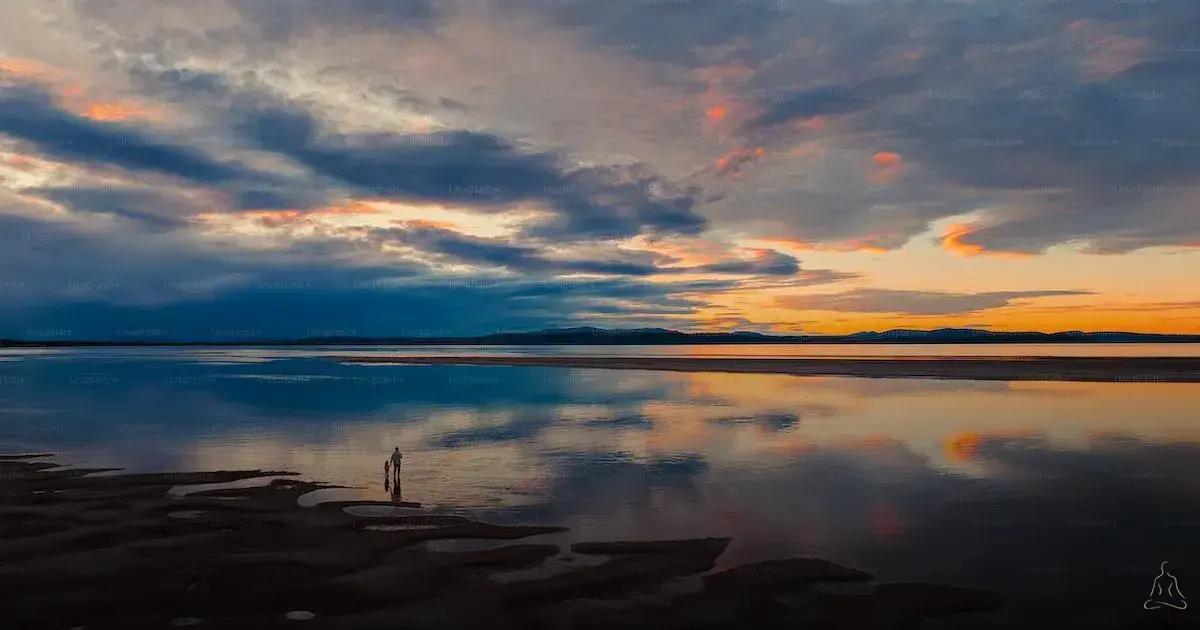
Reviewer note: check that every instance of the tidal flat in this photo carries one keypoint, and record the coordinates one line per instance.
(86, 548)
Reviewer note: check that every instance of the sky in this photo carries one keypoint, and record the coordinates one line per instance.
(239, 169)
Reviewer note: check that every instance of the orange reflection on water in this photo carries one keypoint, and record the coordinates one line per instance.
(744, 422)
(963, 447)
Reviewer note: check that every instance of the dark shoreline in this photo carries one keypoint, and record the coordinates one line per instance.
(1087, 369)
(79, 549)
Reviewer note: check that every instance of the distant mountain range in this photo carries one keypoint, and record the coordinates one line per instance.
(661, 336)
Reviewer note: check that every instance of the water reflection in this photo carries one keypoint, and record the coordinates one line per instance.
(1030, 488)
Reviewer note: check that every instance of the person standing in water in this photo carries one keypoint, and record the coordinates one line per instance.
(395, 461)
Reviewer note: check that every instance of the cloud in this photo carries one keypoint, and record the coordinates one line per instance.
(687, 33)
(483, 170)
(211, 141)
(474, 168)
(913, 302)
(831, 99)
(502, 253)
(93, 283)
(28, 114)
(765, 262)
(149, 209)
(297, 18)
(31, 116)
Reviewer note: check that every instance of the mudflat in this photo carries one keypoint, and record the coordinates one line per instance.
(1106, 369)
(81, 549)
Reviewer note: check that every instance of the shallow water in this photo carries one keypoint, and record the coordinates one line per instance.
(1064, 496)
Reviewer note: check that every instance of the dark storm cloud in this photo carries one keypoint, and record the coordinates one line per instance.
(150, 209)
(59, 277)
(30, 115)
(479, 169)
(367, 302)
(913, 302)
(469, 167)
(53, 261)
(502, 253)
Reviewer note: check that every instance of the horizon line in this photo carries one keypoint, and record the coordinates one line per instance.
(987, 336)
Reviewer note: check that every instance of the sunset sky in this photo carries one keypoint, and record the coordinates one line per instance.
(232, 169)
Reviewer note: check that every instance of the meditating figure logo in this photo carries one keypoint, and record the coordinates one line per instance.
(1165, 592)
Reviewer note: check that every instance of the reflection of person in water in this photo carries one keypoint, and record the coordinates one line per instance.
(1165, 592)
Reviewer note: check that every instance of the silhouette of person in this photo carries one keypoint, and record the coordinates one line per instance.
(395, 462)
(1165, 592)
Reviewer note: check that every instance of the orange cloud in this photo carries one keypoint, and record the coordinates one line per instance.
(953, 241)
(21, 162)
(685, 251)
(426, 223)
(886, 159)
(719, 103)
(116, 111)
(26, 68)
(869, 244)
(811, 124)
(350, 207)
(888, 167)
(275, 218)
(266, 218)
(72, 94)
(735, 160)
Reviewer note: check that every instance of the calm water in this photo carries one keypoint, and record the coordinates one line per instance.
(1065, 496)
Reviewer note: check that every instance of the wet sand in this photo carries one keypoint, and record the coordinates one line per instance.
(1114, 369)
(84, 550)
